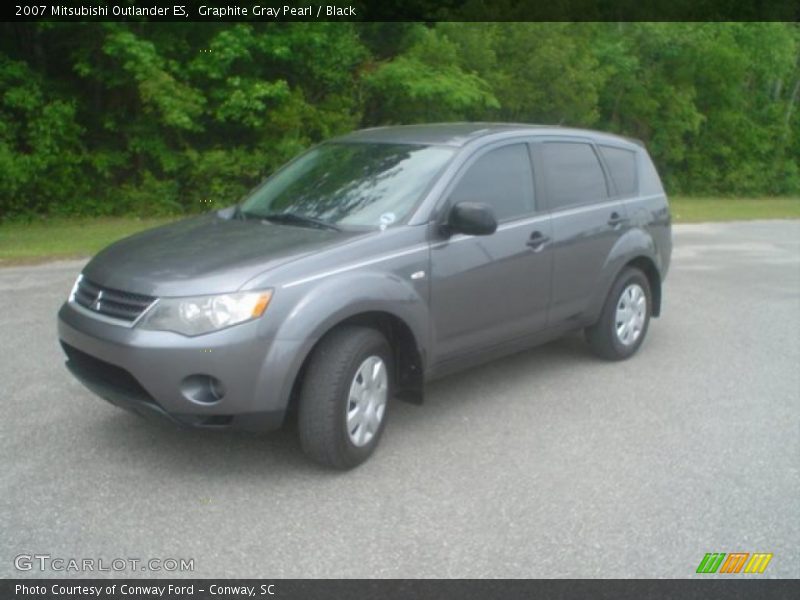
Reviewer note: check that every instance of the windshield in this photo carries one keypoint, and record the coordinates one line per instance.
(355, 184)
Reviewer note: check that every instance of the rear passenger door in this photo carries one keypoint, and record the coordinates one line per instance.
(487, 290)
(587, 221)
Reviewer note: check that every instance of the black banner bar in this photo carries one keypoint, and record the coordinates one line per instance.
(733, 588)
(401, 10)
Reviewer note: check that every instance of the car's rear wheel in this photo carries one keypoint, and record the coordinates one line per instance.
(623, 324)
(344, 397)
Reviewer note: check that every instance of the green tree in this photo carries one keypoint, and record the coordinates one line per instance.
(425, 83)
(148, 118)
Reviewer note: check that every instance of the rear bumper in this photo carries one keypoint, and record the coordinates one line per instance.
(145, 372)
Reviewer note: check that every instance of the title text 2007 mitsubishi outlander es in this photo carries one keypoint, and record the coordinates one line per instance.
(368, 265)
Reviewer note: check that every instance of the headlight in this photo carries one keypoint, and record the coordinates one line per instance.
(204, 314)
(75, 288)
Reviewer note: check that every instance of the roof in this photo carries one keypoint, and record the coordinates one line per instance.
(458, 134)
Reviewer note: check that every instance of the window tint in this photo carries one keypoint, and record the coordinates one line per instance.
(501, 178)
(572, 174)
(622, 165)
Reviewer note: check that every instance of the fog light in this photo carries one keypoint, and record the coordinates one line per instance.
(204, 389)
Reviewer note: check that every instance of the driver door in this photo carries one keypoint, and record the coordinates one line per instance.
(488, 290)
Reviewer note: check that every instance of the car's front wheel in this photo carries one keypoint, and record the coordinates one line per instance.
(344, 397)
(626, 315)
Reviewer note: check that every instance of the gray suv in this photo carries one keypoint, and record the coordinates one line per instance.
(367, 266)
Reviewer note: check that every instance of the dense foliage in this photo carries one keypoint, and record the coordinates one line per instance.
(111, 118)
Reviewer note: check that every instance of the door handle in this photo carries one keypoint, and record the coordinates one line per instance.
(537, 241)
(616, 219)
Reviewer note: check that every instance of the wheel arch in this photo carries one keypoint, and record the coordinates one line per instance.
(646, 265)
(408, 368)
(390, 304)
(634, 249)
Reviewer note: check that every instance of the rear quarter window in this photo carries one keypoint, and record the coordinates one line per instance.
(649, 181)
(621, 164)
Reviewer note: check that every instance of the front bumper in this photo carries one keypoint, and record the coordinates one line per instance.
(146, 371)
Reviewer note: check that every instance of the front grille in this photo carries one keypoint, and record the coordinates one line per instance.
(116, 304)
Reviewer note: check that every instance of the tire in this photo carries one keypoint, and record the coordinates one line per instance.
(604, 337)
(337, 428)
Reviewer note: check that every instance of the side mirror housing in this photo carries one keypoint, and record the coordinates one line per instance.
(472, 218)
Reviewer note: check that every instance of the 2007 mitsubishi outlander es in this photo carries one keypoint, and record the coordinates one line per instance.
(367, 266)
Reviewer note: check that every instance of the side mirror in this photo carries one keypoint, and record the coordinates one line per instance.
(472, 218)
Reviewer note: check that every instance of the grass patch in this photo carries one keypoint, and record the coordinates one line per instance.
(687, 209)
(66, 238)
(72, 238)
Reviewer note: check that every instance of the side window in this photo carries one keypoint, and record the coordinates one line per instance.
(572, 174)
(622, 165)
(501, 178)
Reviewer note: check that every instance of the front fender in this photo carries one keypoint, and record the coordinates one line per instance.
(319, 306)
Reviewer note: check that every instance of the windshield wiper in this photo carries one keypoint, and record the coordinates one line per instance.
(290, 218)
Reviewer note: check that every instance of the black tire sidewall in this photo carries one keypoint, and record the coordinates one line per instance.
(374, 345)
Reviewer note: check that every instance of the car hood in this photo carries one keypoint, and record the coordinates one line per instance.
(204, 255)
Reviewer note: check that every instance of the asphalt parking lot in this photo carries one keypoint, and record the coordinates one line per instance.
(550, 463)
